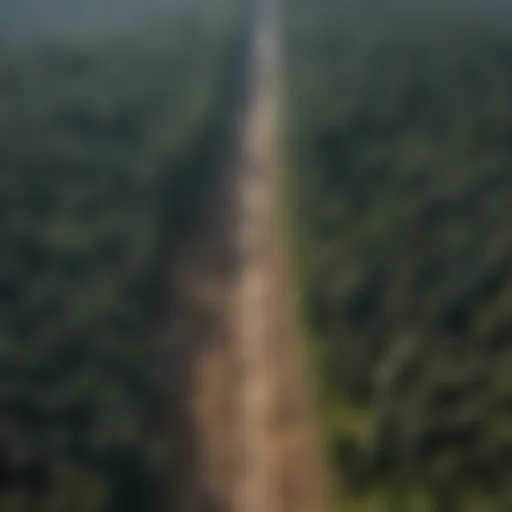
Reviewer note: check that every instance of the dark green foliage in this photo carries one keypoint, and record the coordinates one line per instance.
(106, 151)
(400, 138)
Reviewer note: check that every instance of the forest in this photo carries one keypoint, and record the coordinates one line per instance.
(399, 124)
(107, 147)
(397, 130)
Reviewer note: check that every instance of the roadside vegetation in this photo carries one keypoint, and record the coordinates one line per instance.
(399, 119)
(107, 147)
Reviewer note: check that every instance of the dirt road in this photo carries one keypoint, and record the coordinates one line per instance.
(242, 415)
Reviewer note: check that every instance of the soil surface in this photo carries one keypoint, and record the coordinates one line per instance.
(241, 415)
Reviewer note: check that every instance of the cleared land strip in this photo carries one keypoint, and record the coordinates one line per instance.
(242, 413)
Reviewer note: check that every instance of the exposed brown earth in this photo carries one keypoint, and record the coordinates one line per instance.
(242, 418)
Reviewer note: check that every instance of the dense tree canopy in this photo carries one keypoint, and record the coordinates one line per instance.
(106, 147)
(400, 128)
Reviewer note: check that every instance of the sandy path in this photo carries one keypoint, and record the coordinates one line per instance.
(241, 409)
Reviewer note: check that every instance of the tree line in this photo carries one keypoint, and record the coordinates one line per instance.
(399, 127)
(107, 148)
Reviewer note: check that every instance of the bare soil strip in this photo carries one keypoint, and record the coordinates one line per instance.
(242, 416)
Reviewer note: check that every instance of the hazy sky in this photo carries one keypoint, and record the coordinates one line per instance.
(36, 17)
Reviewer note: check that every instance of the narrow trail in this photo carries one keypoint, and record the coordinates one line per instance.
(242, 416)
